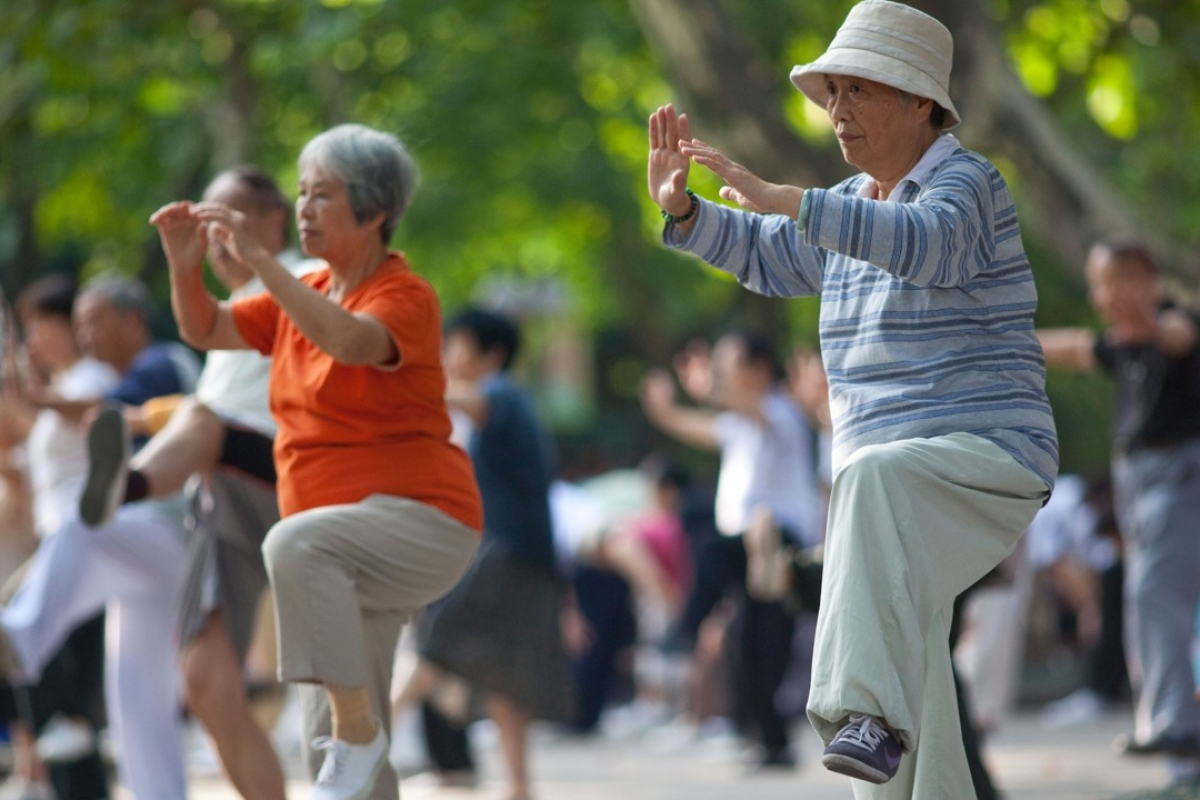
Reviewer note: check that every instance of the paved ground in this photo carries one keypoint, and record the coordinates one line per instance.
(1029, 762)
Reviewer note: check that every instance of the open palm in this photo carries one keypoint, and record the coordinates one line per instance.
(667, 168)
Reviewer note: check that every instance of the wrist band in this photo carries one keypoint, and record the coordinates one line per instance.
(691, 212)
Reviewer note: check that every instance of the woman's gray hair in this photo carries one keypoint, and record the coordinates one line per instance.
(380, 175)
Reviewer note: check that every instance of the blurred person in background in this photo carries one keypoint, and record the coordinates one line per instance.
(65, 708)
(499, 628)
(766, 490)
(131, 568)
(1152, 350)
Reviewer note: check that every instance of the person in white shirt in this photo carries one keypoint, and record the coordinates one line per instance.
(59, 709)
(767, 481)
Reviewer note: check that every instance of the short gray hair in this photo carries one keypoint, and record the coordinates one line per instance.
(380, 175)
(124, 294)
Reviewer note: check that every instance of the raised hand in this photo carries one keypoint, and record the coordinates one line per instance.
(183, 235)
(657, 391)
(667, 167)
(741, 185)
(694, 367)
(228, 227)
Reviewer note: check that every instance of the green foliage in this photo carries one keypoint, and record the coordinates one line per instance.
(528, 121)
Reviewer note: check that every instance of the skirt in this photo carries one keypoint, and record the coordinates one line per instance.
(498, 629)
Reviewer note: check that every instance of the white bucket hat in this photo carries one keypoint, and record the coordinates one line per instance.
(889, 43)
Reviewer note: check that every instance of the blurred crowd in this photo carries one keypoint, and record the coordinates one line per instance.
(685, 601)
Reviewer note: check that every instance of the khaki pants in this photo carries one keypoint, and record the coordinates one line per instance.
(911, 525)
(345, 580)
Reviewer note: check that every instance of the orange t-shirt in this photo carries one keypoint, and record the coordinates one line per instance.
(347, 432)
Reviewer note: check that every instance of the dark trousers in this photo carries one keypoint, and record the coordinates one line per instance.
(447, 744)
(606, 602)
(762, 631)
(72, 684)
(1107, 675)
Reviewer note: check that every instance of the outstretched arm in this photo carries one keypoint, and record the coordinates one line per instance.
(1072, 348)
(689, 425)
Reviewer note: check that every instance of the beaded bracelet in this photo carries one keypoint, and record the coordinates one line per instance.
(691, 212)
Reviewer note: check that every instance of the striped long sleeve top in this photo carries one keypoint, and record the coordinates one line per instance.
(927, 302)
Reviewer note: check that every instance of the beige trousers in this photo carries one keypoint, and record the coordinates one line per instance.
(345, 580)
(911, 525)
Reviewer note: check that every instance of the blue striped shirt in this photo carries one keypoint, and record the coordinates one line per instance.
(927, 302)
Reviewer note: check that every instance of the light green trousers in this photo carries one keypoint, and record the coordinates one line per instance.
(911, 525)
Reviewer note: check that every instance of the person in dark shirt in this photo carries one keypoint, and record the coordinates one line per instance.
(498, 629)
(1152, 350)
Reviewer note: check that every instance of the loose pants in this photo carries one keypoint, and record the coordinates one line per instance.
(1157, 496)
(911, 525)
(345, 579)
(131, 568)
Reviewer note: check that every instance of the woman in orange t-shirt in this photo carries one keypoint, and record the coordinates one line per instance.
(381, 512)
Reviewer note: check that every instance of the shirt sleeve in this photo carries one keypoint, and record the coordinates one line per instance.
(257, 320)
(765, 252)
(408, 309)
(944, 237)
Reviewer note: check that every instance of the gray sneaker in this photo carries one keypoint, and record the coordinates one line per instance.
(864, 749)
(108, 452)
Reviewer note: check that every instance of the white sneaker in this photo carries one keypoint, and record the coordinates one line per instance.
(1078, 708)
(349, 770)
(65, 739)
(108, 452)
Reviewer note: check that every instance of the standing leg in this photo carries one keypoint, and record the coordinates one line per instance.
(512, 722)
(215, 693)
(1158, 501)
(144, 698)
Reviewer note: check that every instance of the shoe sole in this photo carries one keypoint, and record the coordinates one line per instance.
(845, 765)
(107, 452)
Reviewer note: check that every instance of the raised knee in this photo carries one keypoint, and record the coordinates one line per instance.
(286, 550)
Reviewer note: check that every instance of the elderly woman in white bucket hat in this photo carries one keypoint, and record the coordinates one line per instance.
(944, 443)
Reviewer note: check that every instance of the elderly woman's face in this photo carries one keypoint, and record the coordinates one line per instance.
(325, 219)
(877, 128)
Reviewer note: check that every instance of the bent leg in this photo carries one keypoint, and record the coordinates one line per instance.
(190, 442)
(77, 570)
(912, 524)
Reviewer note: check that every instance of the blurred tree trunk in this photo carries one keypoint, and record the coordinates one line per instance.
(733, 96)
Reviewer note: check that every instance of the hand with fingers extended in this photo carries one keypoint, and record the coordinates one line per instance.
(184, 236)
(667, 169)
(741, 185)
(227, 227)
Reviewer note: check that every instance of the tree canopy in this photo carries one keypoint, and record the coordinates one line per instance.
(527, 118)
